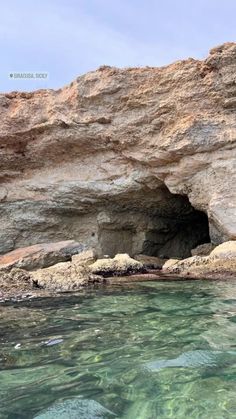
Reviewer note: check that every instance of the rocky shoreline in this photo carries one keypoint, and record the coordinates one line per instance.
(52, 268)
(136, 160)
(126, 162)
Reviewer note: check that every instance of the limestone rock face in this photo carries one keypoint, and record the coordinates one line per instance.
(113, 159)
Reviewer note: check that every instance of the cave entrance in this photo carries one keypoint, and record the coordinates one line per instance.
(175, 237)
(155, 223)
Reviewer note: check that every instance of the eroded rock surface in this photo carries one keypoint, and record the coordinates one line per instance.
(14, 283)
(113, 159)
(64, 276)
(121, 264)
(220, 264)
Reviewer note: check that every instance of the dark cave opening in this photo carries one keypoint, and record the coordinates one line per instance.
(155, 223)
(177, 236)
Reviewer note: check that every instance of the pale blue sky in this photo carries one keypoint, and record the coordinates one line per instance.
(67, 38)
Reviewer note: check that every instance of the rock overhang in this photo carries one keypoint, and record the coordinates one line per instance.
(113, 141)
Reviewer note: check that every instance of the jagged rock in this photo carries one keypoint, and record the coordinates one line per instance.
(114, 159)
(41, 255)
(14, 281)
(121, 264)
(150, 262)
(203, 249)
(64, 276)
(220, 264)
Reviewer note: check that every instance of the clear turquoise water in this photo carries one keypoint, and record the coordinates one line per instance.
(153, 350)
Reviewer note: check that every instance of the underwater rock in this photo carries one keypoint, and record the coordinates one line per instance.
(192, 359)
(77, 408)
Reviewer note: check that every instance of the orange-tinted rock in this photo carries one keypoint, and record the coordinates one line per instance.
(41, 255)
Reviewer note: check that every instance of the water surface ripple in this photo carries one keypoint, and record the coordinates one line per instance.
(147, 351)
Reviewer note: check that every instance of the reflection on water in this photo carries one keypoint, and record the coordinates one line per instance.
(152, 350)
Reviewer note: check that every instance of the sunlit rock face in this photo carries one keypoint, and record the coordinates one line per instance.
(121, 158)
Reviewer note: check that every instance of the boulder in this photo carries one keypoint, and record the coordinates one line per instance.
(203, 249)
(41, 255)
(85, 258)
(150, 262)
(121, 264)
(15, 281)
(220, 264)
(225, 250)
(64, 276)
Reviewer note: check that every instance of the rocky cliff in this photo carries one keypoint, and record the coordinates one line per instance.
(134, 160)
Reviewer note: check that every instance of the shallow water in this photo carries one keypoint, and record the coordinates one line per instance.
(153, 350)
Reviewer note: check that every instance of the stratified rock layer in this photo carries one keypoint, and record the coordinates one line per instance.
(112, 159)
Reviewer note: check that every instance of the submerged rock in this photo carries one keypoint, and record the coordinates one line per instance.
(77, 408)
(193, 359)
(41, 255)
(121, 264)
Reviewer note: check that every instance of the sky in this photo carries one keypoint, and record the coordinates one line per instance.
(62, 39)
